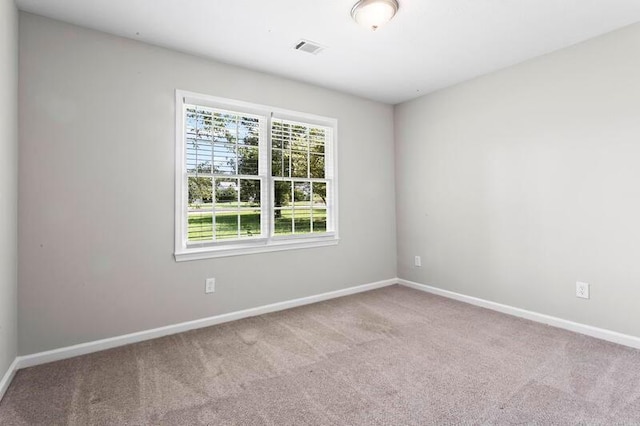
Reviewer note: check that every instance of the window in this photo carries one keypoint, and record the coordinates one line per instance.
(251, 178)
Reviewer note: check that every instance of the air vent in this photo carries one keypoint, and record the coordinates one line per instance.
(309, 47)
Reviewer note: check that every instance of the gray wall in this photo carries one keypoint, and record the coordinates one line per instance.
(97, 190)
(8, 183)
(517, 184)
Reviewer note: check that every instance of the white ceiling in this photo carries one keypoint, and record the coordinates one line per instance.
(430, 44)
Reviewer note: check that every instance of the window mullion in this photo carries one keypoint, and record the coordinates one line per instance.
(185, 178)
(237, 140)
(213, 208)
(308, 137)
(238, 198)
(214, 131)
(290, 151)
(266, 210)
(293, 207)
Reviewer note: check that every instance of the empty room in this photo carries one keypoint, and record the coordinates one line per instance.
(305, 212)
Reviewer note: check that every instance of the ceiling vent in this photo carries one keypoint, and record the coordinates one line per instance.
(309, 47)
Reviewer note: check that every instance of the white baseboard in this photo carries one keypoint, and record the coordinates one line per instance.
(6, 379)
(112, 342)
(600, 333)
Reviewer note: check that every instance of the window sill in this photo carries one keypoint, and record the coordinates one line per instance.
(254, 248)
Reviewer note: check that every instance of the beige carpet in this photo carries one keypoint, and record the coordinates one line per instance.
(389, 356)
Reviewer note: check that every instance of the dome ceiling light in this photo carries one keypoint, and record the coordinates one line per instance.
(373, 14)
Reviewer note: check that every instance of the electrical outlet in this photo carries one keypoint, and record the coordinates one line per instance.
(582, 290)
(417, 261)
(210, 285)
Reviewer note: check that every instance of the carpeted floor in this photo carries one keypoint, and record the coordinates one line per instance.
(389, 356)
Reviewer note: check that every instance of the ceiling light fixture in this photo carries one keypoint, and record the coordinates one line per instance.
(374, 13)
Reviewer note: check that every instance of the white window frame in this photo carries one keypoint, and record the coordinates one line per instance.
(266, 242)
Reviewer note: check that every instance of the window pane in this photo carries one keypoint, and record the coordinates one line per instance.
(281, 138)
(302, 193)
(299, 140)
(224, 158)
(247, 160)
(250, 223)
(225, 127)
(200, 226)
(286, 163)
(316, 148)
(226, 193)
(249, 193)
(279, 163)
(191, 157)
(200, 217)
(299, 164)
(249, 131)
(282, 219)
(281, 135)
(302, 221)
(316, 166)
(198, 156)
(276, 162)
(317, 135)
(226, 226)
(319, 194)
(282, 194)
(198, 124)
(190, 121)
(200, 191)
(276, 134)
(319, 220)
